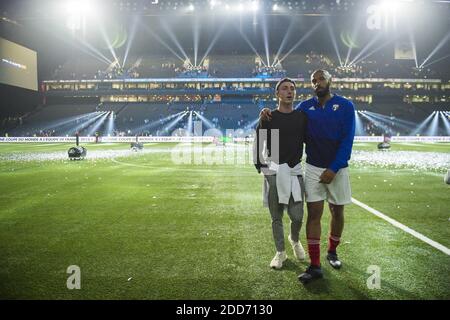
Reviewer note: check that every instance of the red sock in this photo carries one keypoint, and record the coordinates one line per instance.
(314, 251)
(333, 242)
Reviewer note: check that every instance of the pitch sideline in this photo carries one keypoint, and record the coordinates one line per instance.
(401, 226)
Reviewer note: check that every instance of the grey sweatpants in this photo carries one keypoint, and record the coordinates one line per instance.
(294, 210)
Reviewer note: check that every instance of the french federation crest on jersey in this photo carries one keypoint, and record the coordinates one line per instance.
(335, 107)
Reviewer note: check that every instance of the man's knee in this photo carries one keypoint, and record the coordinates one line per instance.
(297, 218)
(337, 211)
(315, 211)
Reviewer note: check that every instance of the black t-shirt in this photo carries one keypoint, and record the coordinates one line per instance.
(292, 134)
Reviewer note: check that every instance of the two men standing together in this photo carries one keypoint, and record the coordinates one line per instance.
(326, 125)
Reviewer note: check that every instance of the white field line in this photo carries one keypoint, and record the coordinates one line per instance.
(397, 224)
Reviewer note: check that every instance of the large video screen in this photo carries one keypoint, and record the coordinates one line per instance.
(18, 65)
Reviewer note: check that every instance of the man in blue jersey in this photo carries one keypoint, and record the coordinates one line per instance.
(329, 141)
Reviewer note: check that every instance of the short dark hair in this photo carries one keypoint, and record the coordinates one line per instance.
(283, 81)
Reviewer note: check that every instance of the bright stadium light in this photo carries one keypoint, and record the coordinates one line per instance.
(255, 6)
(275, 7)
(81, 7)
(389, 6)
(191, 7)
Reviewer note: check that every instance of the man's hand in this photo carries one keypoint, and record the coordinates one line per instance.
(265, 114)
(327, 176)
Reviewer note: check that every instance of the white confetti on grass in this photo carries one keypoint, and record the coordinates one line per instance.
(434, 161)
(429, 161)
(63, 156)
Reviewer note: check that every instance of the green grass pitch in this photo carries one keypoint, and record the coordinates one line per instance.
(142, 227)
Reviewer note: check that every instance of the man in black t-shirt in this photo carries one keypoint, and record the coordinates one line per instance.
(278, 149)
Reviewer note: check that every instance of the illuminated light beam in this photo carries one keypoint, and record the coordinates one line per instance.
(359, 128)
(302, 39)
(445, 119)
(376, 122)
(413, 45)
(372, 52)
(437, 60)
(196, 36)
(333, 40)
(155, 123)
(252, 47)
(213, 42)
(422, 125)
(366, 47)
(98, 124)
(285, 37)
(107, 41)
(174, 122)
(265, 37)
(436, 49)
(400, 124)
(110, 126)
(434, 127)
(189, 125)
(252, 124)
(93, 49)
(130, 38)
(174, 38)
(355, 33)
(84, 125)
(161, 41)
(67, 121)
(208, 123)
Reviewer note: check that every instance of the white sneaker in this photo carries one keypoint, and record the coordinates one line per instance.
(299, 252)
(277, 261)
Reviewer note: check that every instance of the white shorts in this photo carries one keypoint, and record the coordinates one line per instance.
(338, 192)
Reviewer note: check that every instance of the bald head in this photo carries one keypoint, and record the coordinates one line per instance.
(325, 74)
(321, 81)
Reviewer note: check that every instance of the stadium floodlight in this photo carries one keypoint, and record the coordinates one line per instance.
(333, 41)
(436, 49)
(376, 122)
(422, 125)
(173, 123)
(393, 122)
(239, 7)
(254, 6)
(445, 118)
(302, 39)
(159, 39)
(359, 127)
(174, 38)
(155, 123)
(189, 124)
(284, 41)
(434, 127)
(208, 123)
(389, 6)
(80, 7)
(97, 124)
(275, 7)
(110, 126)
(191, 8)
